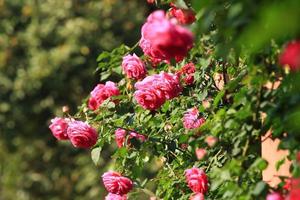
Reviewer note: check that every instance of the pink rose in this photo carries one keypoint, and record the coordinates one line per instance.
(150, 1)
(102, 92)
(191, 119)
(59, 128)
(275, 196)
(120, 137)
(134, 67)
(184, 16)
(197, 196)
(200, 153)
(81, 134)
(153, 91)
(116, 184)
(291, 56)
(112, 196)
(294, 189)
(163, 40)
(197, 180)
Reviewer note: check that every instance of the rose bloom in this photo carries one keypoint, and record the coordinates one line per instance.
(294, 189)
(154, 90)
(134, 67)
(81, 134)
(291, 56)
(112, 196)
(59, 128)
(274, 196)
(102, 92)
(197, 180)
(211, 140)
(162, 39)
(120, 137)
(184, 16)
(150, 1)
(116, 184)
(191, 119)
(197, 196)
(200, 153)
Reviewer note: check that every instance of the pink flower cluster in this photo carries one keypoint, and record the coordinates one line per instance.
(117, 185)
(134, 67)
(79, 133)
(191, 119)
(187, 71)
(153, 91)
(291, 56)
(197, 182)
(163, 40)
(102, 92)
(184, 16)
(120, 137)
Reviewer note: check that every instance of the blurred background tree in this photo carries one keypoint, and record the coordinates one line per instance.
(48, 51)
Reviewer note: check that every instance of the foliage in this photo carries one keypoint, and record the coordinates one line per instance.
(238, 41)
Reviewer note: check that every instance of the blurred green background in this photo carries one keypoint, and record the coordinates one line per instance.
(48, 51)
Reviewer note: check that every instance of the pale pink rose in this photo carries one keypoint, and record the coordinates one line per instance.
(102, 92)
(112, 196)
(274, 196)
(59, 128)
(200, 153)
(81, 134)
(134, 67)
(291, 56)
(184, 16)
(197, 180)
(116, 184)
(211, 140)
(197, 196)
(191, 119)
(163, 40)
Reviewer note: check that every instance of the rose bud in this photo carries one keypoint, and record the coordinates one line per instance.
(59, 128)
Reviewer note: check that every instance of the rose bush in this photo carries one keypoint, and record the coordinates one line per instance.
(201, 135)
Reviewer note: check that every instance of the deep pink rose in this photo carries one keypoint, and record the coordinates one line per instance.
(274, 196)
(81, 134)
(120, 136)
(134, 67)
(197, 196)
(197, 180)
(112, 196)
(191, 119)
(116, 184)
(59, 128)
(153, 91)
(294, 189)
(291, 56)
(184, 16)
(163, 40)
(102, 92)
(200, 153)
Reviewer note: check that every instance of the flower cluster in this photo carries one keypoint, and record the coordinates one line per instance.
(187, 71)
(117, 185)
(79, 133)
(154, 90)
(164, 40)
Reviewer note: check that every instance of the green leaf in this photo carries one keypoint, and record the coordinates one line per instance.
(95, 154)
